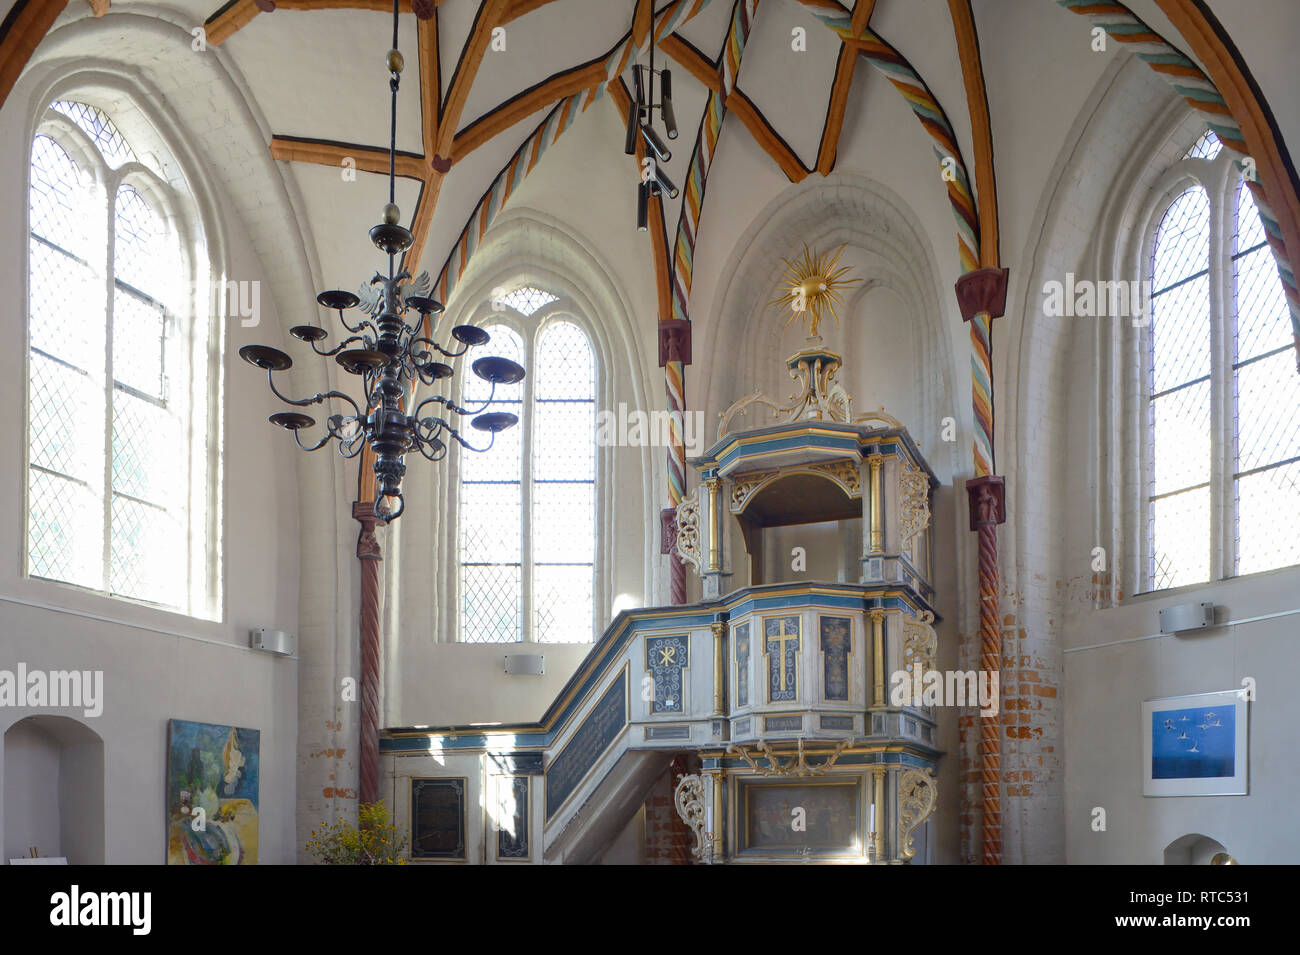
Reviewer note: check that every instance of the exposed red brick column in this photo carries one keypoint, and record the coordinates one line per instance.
(668, 839)
(987, 511)
(369, 554)
(982, 297)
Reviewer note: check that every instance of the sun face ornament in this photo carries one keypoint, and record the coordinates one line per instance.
(811, 288)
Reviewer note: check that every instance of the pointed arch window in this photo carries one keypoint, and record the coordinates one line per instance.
(527, 510)
(119, 496)
(1220, 390)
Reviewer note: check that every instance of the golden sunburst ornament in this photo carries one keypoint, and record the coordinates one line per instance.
(812, 287)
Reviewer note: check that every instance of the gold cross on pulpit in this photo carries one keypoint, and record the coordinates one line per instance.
(781, 639)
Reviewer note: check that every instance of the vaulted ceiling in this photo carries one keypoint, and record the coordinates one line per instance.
(491, 85)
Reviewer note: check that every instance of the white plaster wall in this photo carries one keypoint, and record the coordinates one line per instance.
(159, 665)
(31, 792)
(1110, 669)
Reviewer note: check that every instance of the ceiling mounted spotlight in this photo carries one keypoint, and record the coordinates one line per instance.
(640, 128)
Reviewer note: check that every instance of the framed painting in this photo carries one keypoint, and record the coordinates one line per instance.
(212, 782)
(1195, 745)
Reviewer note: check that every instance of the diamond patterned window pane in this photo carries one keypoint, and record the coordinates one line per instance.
(1182, 246)
(1180, 335)
(564, 441)
(1263, 323)
(1268, 398)
(1180, 440)
(65, 421)
(145, 439)
(62, 307)
(566, 366)
(1250, 228)
(1268, 518)
(148, 554)
(490, 523)
(527, 299)
(491, 604)
(506, 343)
(65, 533)
(501, 462)
(563, 596)
(100, 129)
(142, 256)
(1207, 147)
(1180, 539)
(564, 524)
(138, 329)
(58, 196)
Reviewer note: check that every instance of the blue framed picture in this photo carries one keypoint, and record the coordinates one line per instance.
(1195, 745)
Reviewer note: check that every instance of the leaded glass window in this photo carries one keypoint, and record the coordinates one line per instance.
(1219, 500)
(527, 508)
(112, 481)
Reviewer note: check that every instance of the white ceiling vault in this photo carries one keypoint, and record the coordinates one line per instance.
(315, 72)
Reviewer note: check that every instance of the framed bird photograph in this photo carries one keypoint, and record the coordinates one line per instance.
(1195, 745)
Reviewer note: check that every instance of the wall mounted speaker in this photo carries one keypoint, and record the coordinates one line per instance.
(525, 664)
(1186, 617)
(272, 641)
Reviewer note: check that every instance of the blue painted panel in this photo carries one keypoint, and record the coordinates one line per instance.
(588, 744)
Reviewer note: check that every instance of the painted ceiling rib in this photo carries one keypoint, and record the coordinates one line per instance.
(22, 31)
(706, 143)
(838, 100)
(972, 71)
(525, 158)
(1230, 104)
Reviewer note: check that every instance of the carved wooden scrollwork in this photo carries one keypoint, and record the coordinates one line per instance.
(914, 490)
(920, 644)
(688, 529)
(917, 793)
(688, 797)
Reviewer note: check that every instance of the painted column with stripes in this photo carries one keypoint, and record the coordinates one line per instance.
(688, 224)
(1200, 93)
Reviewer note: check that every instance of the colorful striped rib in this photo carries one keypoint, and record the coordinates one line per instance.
(1203, 96)
(526, 157)
(706, 142)
(907, 81)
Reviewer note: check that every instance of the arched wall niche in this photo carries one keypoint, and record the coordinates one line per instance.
(528, 247)
(744, 344)
(1197, 849)
(53, 789)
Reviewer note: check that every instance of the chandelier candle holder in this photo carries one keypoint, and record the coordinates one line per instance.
(390, 356)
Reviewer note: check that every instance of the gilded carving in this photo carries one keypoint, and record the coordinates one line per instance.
(914, 489)
(688, 529)
(843, 472)
(689, 800)
(797, 765)
(917, 793)
(920, 644)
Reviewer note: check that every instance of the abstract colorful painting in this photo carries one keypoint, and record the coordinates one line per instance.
(1195, 745)
(212, 780)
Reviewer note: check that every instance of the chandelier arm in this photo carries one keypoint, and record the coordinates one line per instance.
(355, 329)
(314, 399)
(350, 451)
(338, 348)
(318, 445)
(449, 354)
(465, 444)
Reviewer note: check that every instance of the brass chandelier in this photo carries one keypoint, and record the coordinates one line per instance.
(390, 356)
